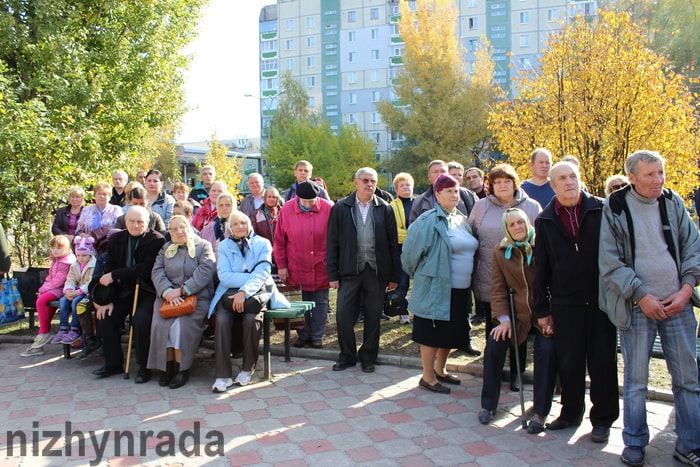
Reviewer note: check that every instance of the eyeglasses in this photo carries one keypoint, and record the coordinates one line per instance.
(618, 186)
(368, 180)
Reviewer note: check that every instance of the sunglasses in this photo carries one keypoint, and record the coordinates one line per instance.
(618, 186)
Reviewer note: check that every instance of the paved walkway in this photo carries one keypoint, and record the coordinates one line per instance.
(308, 415)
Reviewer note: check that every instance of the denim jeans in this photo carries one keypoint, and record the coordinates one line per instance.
(69, 308)
(678, 341)
(315, 320)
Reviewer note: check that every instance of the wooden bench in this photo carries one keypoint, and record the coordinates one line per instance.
(296, 310)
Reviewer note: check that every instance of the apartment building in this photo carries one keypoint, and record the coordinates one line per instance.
(346, 53)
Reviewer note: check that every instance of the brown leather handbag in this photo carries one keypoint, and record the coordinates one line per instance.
(186, 308)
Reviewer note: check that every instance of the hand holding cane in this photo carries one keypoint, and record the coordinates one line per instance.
(511, 292)
(131, 332)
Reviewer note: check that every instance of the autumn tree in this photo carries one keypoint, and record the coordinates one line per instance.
(83, 84)
(601, 94)
(228, 169)
(297, 133)
(441, 110)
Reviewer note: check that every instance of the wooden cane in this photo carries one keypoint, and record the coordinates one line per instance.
(131, 332)
(511, 303)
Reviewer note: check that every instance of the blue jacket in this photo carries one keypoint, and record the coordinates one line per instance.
(249, 273)
(426, 257)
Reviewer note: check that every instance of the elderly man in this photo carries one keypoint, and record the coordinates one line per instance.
(362, 257)
(131, 254)
(426, 200)
(649, 267)
(302, 173)
(538, 186)
(119, 181)
(207, 175)
(256, 198)
(566, 302)
(475, 182)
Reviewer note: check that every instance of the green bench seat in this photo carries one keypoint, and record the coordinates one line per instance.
(296, 310)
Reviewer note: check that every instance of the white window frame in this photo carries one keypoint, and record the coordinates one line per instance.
(352, 16)
(524, 17)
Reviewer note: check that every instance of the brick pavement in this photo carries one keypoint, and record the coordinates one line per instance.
(308, 415)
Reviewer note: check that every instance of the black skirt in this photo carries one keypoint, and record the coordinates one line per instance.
(452, 334)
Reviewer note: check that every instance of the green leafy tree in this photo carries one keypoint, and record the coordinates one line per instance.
(601, 94)
(83, 85)
(441, 109)
(297, 133)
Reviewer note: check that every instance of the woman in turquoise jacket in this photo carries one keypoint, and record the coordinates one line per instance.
(439, 254)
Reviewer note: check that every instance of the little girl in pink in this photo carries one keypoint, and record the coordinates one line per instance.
(51, 290)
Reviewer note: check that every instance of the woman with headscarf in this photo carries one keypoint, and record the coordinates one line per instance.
(514, 269)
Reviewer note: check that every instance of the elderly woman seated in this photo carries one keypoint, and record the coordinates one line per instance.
(245, 287)
(185, 266)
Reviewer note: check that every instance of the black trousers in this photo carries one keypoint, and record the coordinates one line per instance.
(141, 323)
(367, 285)
(584, 338)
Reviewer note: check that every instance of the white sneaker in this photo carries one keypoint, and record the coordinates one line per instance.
(40, 340)
(243, 377)
(221, 384)
(32, 351)
(404, 319)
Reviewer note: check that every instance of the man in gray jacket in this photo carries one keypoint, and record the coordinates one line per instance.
(649, 261)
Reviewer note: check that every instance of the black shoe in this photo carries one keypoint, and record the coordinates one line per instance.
(384, 317)
(514, 382)
(368, 367)
(437, 387)
(180, 379)
(169, 373)
(448, 379)
(316, 344)
(632, 455)
(469, 350)
(107, 371)
(600, 434)
(300, 344)
(91, 344)
(536, 425)
(562, 423)
(343, 365)
(485, 416)
(143, 376)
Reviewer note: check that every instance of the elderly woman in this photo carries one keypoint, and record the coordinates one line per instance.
(181, 192)
(185, 266)
(66, 220)
(485, 221)
(245, 287)
(217, 231)
(403, 185)
(300, 249)
(207, 213)
(514, 269)
(615, 182)
(439, 254)
(159, 201)
(100, 217)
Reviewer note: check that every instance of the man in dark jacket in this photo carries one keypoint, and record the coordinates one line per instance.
(131, 255)
(426, 200)
(566, 302)
(362, 257)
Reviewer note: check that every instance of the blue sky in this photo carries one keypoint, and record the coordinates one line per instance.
(224, 68)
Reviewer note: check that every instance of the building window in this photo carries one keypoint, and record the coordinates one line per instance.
(312, 101)
(352, 78)
(398, 51)
(375, 54)
(352, 119)
(527, 65)
(310, 42)
(352, 36)
(311, 62)
(472, 3)
(473, 22)
(374, 13)
(472, 45)
(290, 64)
(290, 25)
(310, 81)
(524, 40)
(352, 56)
(352, 98)
(524, 17)
(374, 33)
(352, 16)
(268, 65)
(376, 96)
(376, 136)
(376, 118)
(551, 15)
(310, 22)
(394, 29)
(470, 67)
(290, 44)
(268, 46)
(374, 76)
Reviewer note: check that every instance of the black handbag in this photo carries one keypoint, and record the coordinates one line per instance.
(395, 303)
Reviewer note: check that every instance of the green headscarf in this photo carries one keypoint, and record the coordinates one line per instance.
(525, 245)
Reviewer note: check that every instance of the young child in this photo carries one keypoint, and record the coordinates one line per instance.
(52, 289)
(75, 290)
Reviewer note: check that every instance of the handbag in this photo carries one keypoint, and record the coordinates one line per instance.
(395, 303)
(173, 311)
(11, 305)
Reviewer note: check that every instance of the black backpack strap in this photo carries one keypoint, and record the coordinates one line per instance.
(665, 224)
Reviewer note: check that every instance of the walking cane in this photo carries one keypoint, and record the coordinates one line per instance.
(511, 292)
(131, 332)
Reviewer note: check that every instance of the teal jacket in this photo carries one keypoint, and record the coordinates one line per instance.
(426, 257)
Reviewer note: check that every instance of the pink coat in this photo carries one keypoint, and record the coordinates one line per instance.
(300, 244)
(58, 272)
(204, 215)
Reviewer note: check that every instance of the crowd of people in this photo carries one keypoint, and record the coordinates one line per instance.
(542, 256)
